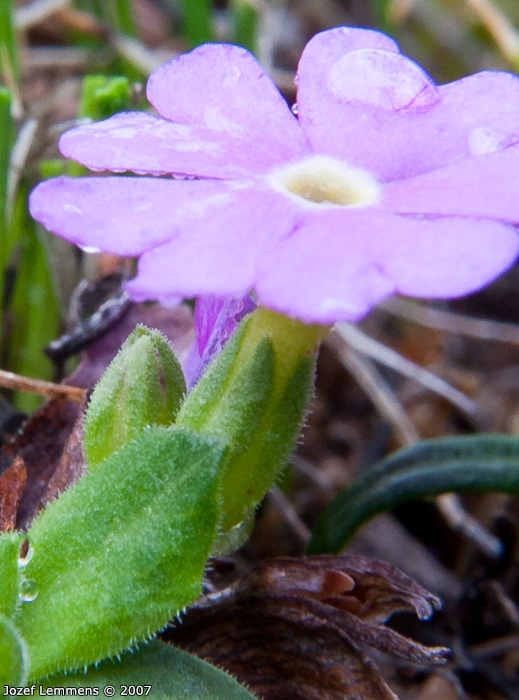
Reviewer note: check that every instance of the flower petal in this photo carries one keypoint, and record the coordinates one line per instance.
(486, 186)
(340, 264)
(382, 112)
(122, 215)
(223, 89)
(329, 46)
(146, 144)
(217, 252)
(360, 93)
(325, 272)
(445, 258)
(215, 320)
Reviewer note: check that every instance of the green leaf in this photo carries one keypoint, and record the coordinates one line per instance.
(33, 308)
(142, 386)
(9, 62)
(479, 463)
(10, 572)
(245, 19)
(13, 655)
(172, 674)
(103, 95)
(197, 21)
(121, 552)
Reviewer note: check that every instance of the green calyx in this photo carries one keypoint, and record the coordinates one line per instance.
(143, 386)
(255, 396)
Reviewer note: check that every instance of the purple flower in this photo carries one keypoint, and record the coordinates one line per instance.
(383, 183)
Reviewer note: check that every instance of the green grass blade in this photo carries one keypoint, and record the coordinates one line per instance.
(120, 13)
(245, 18)
(6, 129)
(481, 463)
(197, 21)
(9, 64)
(34, 309)
(380, 15)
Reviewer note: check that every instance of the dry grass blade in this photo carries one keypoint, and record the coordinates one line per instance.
(450, 322)
(499, 27)
(388, 405)
(390, 358)
(10, 380)
(35, 12)
(375, 387)
(19, 157)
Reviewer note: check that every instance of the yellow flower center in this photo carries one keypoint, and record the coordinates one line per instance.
(325, 180)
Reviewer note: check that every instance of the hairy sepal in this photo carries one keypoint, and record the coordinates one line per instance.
(255, 396)
(144, 385)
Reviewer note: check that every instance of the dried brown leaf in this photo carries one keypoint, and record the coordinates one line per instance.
(40, 444)
(378, 589)
(12, 483)
(71, 466)
(281, 650)
(297, 627)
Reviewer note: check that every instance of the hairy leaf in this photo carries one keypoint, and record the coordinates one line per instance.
(172, 674)
(121, 552)
(13, 655)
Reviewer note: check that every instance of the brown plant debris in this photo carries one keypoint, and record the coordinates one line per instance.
(12, 483)
(297, 628)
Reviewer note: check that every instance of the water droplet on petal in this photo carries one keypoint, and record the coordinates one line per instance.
(231, 76)
(294, 109)
(28, 591)
(483, 140)
(23, 561)
(383, 80)
(89, 249)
